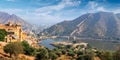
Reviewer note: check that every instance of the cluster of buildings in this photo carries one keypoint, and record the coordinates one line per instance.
(15, 32)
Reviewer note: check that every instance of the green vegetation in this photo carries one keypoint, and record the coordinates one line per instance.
(116, 55)
(105, 55)
(28, 50)
(42, 55)
(14, 48)
(74, 53)
(52, 55)
(104, 44)
(3, 33)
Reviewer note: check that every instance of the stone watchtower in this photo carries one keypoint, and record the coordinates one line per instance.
(19, 30)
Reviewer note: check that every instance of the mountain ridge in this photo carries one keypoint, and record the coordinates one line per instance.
(5, 18)
(90, 25)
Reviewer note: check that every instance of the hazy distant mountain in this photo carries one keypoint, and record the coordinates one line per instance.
(93, 25)
(5, 18)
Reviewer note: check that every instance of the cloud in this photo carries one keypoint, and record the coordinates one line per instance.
(53, 13)
(11, 0)
(12, 11)
(116, 11)
(101, 9)
(92, 5)
(48, 13)
(95, 6)
(70, 2)
(60, 6)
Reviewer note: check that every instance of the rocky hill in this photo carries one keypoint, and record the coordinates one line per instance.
(90, 25)
(5, 18)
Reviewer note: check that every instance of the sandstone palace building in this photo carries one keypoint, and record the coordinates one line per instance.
(15, 32)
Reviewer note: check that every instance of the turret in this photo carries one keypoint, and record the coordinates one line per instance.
(10, 23)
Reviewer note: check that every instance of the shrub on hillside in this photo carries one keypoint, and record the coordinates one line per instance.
(3, 33)
(13, 48)
(28, 50)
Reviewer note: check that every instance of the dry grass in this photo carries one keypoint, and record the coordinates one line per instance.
(97, 58)
(4, 56)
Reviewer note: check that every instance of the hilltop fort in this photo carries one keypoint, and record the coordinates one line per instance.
(15, 32)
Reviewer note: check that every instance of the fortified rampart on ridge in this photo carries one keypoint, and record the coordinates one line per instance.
(15, 32)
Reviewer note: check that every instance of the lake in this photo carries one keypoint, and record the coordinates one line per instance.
(106, 45)
(47, 43)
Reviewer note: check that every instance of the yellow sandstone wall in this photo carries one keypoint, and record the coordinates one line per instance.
(16, 29)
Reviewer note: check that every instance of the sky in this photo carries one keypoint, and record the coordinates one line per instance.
(49, 12)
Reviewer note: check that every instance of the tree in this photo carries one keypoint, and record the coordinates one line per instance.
(71, 54)
(85, 57)
(106, 55)
(52, 56)
(63, 51)
(58, 53)
(28, 50)
(81, 57)
(13, 48)
(3, 33)
(68, 46)
(116, 55)
(79, 53)
(55, 49)
(42, 55)
(91, 55)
